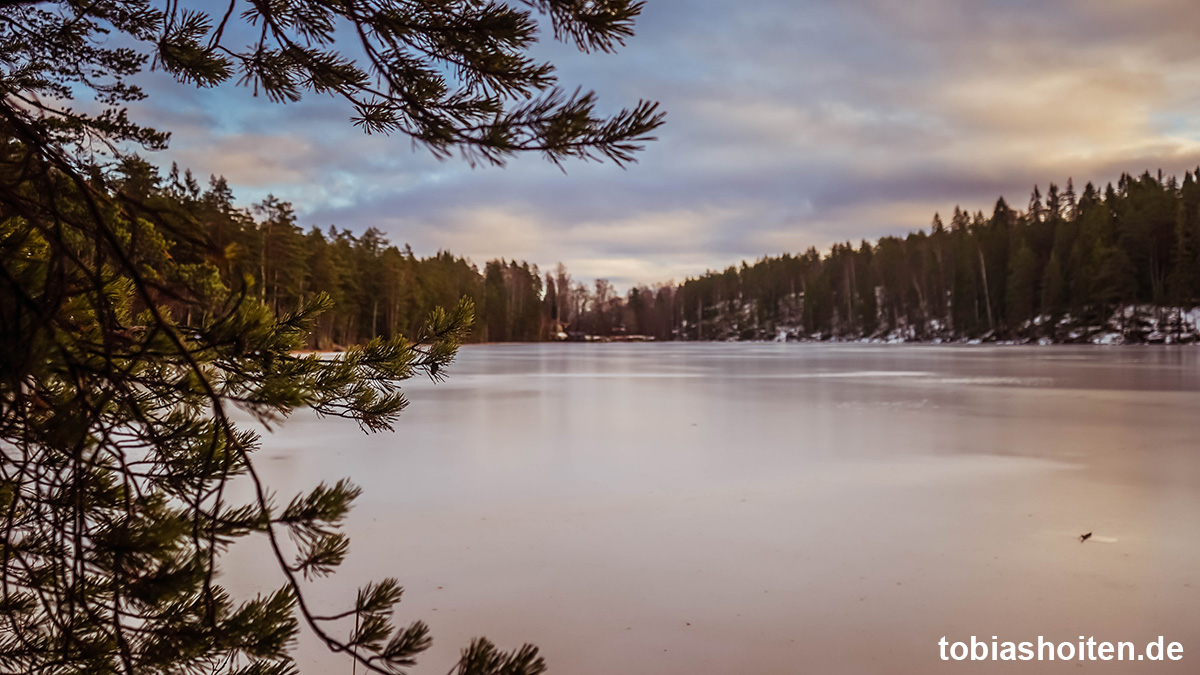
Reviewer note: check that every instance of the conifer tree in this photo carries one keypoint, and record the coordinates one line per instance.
(1052, 290)
(1069, 202)
(128, 330)
(1036, 212)
(1020, 288)
(1184, 279)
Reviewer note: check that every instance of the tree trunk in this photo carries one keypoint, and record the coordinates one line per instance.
(987, 294)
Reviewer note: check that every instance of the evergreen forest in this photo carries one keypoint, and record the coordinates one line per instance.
(1120, 261)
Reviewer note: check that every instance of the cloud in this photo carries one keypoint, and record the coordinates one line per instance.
(254, 161)
(642, 248)
(790, 125)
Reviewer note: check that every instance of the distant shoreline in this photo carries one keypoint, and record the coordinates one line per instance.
(864, 342)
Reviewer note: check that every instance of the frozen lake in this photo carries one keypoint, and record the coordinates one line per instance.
(774, 509)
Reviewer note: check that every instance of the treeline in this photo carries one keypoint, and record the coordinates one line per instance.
(1066, 267)
(377, 288)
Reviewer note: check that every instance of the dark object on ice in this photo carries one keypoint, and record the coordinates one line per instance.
(1084, 537)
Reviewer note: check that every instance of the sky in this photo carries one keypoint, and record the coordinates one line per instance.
(790, 124)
